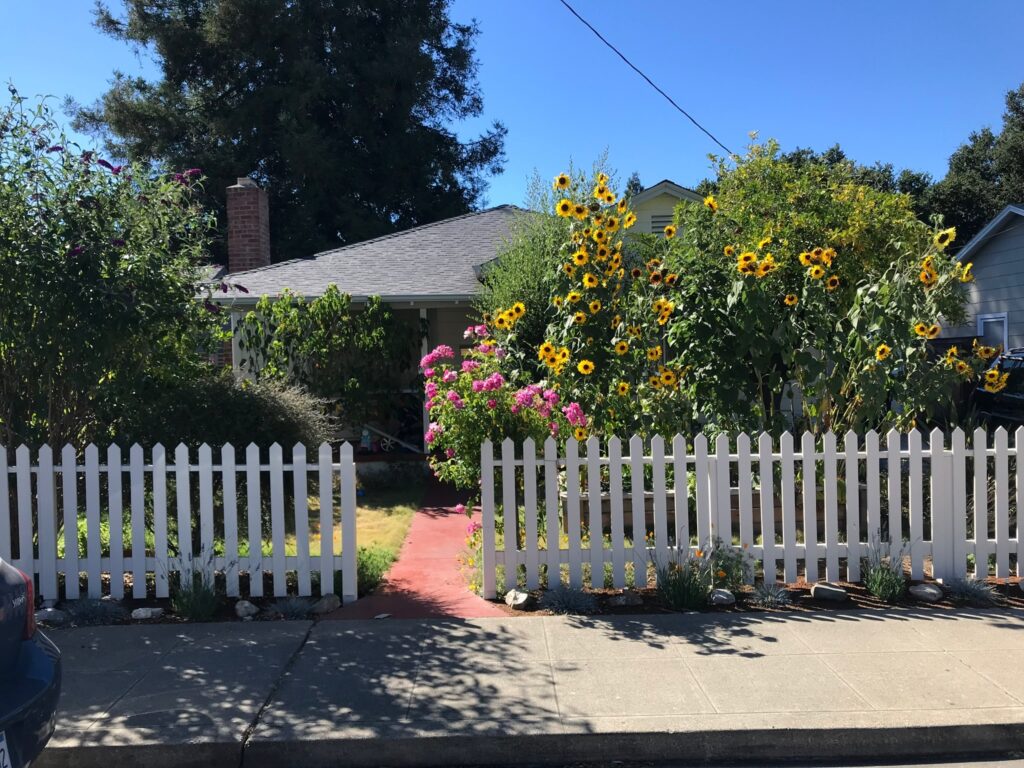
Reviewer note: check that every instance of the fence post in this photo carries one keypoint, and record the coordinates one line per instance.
(595, 523)
(137, 477)
(227, 476)
(47, 563)
(350, 548)
(943, 558)
(325, 481)
(552, 509)
(722, 509)
(530, 513)
(163, 562)
(488, 588)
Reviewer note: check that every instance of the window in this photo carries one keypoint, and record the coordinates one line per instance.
(992, 330)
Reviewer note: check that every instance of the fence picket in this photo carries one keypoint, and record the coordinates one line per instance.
(350, 549)
(115, 518)
(325, 481)
(980, 474)
(894, 463)
(831, 507)
(572, 512)
(1002, 502)
(594, 525)
(6, 551)
(530, 516)
(552, 513)
(159, 517)
(852, 506)
(638, 521)
(69, 492)
(300, 469)
(137, 478)
(660, 499)
(254, 519)
(487, 588)
(769, 550)
(700, 469)
(93, 551)
(681, 491)
(277, 529)
(941, 492)
(788, 507)
(809, 507)
(618, 527)
(722, 494)
(958, 456)
(916, 499)
(509, 513)
(745, 486)
(23, 477)
(227, 479)
(872, 473)
(47, 516)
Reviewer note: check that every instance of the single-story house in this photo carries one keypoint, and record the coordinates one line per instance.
(995, 304)
(431, 271)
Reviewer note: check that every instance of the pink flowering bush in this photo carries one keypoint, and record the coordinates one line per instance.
(472, 400)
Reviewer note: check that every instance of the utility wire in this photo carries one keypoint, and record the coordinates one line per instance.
(645, 77)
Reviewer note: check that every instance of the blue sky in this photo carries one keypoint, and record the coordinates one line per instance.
(902, 82)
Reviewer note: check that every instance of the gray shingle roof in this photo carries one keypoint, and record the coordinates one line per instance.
(433, 262)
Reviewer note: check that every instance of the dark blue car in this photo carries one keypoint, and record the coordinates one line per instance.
(29, 673)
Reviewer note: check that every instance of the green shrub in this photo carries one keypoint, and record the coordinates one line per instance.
(568, 600)
(372, 563)
(883, 572)
(971, 592)
(768, 594)
(89, 612)
(293, 608)
(194, 597)
(684, 582)
(730, 568)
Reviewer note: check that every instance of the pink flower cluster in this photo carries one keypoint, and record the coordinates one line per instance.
(574, 415)
(536, 397)
(440, 352)
(491, 383)
(433, 432)
(476, 331)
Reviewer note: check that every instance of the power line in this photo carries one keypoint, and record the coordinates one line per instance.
(645, 77)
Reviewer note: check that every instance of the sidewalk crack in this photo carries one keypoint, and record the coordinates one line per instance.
(274, 688)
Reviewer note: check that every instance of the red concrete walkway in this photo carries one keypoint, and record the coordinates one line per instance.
(425, 581)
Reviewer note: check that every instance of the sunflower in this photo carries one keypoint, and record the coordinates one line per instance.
(595, 307)
(817, 254)
(747, 257)
(635, 272)
(563, 354)
(616, 320)
(629, 220)
(832, 283)
(805, 259)
(564, 207)
(580, 433)
(928, 276)
(634, 331)
(654, 381)
(965, 273)
(790, 300)
(933, 330)
(998, 385)
(611, 224)
(581, 257)
(518, 309)
(579, 211)
(599, 236)
(609, 198)
(557, 302)
(670, 232)
(579, 318)
(992, 374)
(921, 329)
(816, 272)
(654, 353)
(671, 278)
(501, 321)
(562, 181)
(983, 352)
(827, 255)
(654, 278)
(602, 178)
(749, 268)
(622, 389)
(586, 367)
(622, 206)
(573, 297)
(621, 347)
(546, 350)
(729, 250)
(963, 368)
(764, 242)
(882, 351)
(711, 204)
(944, 237)
(602, 252)
(590, 280)
(569, 269)
(668, 378)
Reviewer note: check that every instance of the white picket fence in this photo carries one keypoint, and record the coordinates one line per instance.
(783, 504)
(46, 496)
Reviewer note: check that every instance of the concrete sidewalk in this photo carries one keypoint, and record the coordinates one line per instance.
(545, 690)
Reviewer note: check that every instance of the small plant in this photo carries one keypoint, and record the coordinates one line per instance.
(971, 591)
(769, 594)
(730, 568)
(685, 581)
(86, 613)
(568, 600)
(883, 572)
(194, 596)
(292, 608)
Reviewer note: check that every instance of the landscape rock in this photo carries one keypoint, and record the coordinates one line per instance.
(628, 599)
(51, 616)
(926, 593)
(245, 609)
(518, 599)
(831, 592)
(147, 613)
(326, 604)
(382, 616)
(722, 597)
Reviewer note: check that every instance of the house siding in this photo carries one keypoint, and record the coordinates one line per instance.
(651, 213)
(998, 283)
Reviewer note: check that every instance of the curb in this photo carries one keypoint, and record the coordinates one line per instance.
(180, 755)
(681, 748)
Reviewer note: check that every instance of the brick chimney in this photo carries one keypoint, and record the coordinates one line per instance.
(248, 226)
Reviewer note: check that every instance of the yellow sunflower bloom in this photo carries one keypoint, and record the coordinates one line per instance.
(602, 178)
(629, 220)
(963, 368)
(595, 307)
(816, 272)
(668, 378)
(602, 252)
(944, 237)
(580, 433)
(622, 206)
(671, 278)
(574, 296)
(729, 250)
(654, 381)
(805, 259)
(965, 273)
(586, 367)
(747, 257)
(581, 257)
(654, 278)
(934, 330)
(992, 374)
(622, 389)
(621, 347)
(518, 309)
(579, 318)
(764, 242)
(921, 329)
(654, 353)
(562, 181)
(600, 191)
(711, 204)
(547, 349)
(569, 269)
(929, 277)
(590, 280)
(832, 283)
(670, 232)
(634, 331)
(791, 300)
(557, 302)
(599, 236)
(611, 224)
(609, 198)
(579, 211)
(882, 351)
(564, 207)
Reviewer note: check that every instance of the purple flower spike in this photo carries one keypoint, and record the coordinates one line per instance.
(78, 250)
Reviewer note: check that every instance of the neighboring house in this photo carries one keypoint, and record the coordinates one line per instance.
(431, 272)
(995, 304)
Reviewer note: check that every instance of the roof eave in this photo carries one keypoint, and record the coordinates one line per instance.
(989, 230)
(250, 301)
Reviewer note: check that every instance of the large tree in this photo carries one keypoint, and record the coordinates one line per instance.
(344, 110)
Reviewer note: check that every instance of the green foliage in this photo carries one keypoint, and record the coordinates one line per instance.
(292, 608)
(769, 594)
(218, 409)
(195, 597)
(883, 572)
(372, 563)
(685, 581)
(568, 601)
(971, 591)
(89, 612)
(730, 568)
(99, 273)
(345, 112)
(355, 357)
